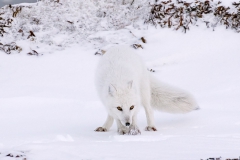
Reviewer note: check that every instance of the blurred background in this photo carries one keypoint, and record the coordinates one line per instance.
(6, 2)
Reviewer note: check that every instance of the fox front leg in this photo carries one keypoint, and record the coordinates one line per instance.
(133, 129)
(121, 128)
(149, 116)
(150, 119)
(148, 109)
(107, 125)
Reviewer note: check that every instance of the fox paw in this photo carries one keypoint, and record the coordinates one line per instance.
(149, 128)
(133, 130)
(101, 129)
(123, 131)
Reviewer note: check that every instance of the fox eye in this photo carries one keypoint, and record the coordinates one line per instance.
(131, 107)
(119, 108)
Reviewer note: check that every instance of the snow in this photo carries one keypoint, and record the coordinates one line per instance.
(49, 107)
(58, 25)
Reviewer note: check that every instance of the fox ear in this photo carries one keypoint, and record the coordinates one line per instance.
(112, 90)
(130, 84)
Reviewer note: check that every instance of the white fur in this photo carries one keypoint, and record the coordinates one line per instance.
(170, 99)
(122, 80)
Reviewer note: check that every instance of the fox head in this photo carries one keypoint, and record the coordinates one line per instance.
(123, 102)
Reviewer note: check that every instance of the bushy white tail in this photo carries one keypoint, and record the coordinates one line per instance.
(169, 99)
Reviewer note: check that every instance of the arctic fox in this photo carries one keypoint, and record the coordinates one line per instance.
(124, 84)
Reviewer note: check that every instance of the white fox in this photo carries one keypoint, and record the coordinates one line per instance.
(124, 84)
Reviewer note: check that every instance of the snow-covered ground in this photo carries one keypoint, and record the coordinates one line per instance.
(49, 107)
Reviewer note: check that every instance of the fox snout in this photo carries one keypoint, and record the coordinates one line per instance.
(127, 124)
(127, 121)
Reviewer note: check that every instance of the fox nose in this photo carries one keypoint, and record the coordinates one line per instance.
(127, 124)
